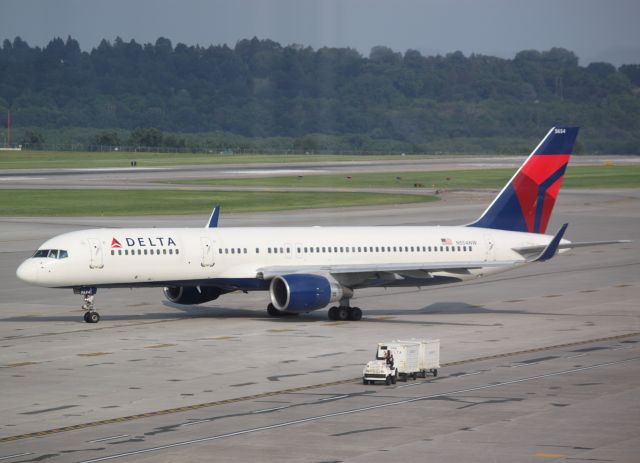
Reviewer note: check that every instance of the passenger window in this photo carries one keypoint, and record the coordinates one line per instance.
(112, 252)
(329, 249)
(220, 251)
(177, 251)
(126, 252)
(288, 250)
(164, 251)
(324, 249)
(171, 251)
(269, 250)
(233, 251)
(244, 250)
(470, 248)
(257, 250)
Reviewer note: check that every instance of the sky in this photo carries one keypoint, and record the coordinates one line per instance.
(596, 30)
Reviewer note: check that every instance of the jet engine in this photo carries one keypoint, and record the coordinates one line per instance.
(303, 293)
(191, 294)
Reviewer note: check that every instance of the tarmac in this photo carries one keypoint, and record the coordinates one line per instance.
(538, 364)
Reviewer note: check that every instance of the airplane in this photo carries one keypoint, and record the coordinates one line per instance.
(307, 268)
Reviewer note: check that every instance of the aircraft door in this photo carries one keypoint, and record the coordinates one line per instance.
(95, 250)
(489, 248)
(207, 252)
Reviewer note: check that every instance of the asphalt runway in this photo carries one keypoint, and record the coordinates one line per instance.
(225, 382)
(151, 177)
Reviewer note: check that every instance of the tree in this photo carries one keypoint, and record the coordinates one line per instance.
(106, 139)
(146, 137)
(32, 138)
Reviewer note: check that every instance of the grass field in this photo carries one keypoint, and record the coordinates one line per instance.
(61, 159)
(575, 177)
(47, 203)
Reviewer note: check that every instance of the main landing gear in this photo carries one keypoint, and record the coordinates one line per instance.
(88, 294)
(345, 312)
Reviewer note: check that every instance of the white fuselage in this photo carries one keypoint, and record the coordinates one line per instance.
(234, 256)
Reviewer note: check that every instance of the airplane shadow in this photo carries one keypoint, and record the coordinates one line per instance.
(185, 312)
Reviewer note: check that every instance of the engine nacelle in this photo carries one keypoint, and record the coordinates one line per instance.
(303, 293)
(191, 294)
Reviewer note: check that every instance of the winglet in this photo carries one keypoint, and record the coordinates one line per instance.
(551, 249)
(213, 218)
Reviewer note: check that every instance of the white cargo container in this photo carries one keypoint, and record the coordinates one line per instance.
(411, 358)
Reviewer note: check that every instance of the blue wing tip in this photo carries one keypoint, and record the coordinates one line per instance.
(552, 247)
(213, 219)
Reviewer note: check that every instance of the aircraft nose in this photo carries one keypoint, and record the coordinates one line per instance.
(28, 272)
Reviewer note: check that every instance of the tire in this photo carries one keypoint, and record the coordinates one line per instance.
(355, 314)
(394, 379)
(333, 313)
(364, 381)
(343, 313)
(435, 372)
(387, 380)
(94, 317)
(413, 376)
(86, 317)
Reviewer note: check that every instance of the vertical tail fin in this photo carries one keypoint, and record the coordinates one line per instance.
(526, 202)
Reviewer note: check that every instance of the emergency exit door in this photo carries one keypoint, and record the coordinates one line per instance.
(95, 250)
(207, 245)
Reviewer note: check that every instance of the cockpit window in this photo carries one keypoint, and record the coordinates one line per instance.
(52, 253)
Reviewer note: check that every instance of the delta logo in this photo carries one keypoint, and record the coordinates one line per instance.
(143, 242)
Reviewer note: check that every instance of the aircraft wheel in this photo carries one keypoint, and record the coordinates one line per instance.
(355, 314)
(343, 313)
(86, 317)
(92, 317)
(333, 313)
(271, 310)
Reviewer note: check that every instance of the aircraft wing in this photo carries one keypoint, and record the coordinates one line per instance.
(423, 267)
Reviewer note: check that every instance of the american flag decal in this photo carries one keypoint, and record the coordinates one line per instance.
(446, 241)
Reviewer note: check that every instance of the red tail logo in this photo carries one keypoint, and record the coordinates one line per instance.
(115, 243)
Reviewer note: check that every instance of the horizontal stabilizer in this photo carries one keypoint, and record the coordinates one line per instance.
(534, 250)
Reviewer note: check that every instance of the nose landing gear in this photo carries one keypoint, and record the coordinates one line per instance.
(88, 294)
